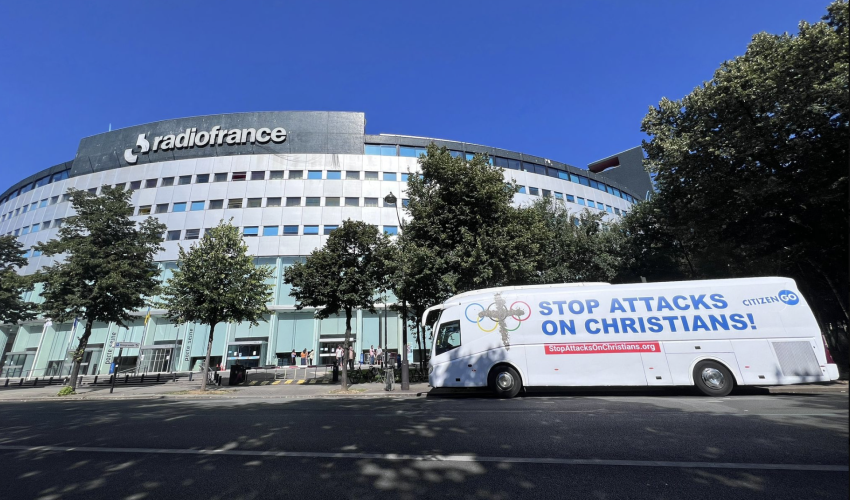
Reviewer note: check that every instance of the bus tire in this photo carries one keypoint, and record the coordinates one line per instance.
(713, 379)
(504, 381)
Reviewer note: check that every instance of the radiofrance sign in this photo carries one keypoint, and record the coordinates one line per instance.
(192, 138)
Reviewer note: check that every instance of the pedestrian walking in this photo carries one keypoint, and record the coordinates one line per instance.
(304, 357)
(339, 356)
(379, 354)
(372, 355)
(310, 358)
(351, 357)
(293, 358)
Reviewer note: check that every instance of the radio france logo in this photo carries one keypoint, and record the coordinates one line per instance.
(192, 138)
(498, 313)
(789, 297)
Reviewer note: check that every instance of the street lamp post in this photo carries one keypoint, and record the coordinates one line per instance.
(390, 199)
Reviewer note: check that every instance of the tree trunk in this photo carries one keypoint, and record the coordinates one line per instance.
(207, 359)
(419, 341)
(79, 353)
(345, 348)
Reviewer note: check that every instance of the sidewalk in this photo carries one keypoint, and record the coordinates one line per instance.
(320, 390)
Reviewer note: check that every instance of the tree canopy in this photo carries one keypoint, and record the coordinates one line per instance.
(751, 167)
(104, 269)
(13, 308)
(216, 281)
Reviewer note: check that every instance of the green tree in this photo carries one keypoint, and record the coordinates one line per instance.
(104, 267)
(13, 308)
(216, 281)
(752, 165)
(576, 247)
(341, 276)
(463, 221)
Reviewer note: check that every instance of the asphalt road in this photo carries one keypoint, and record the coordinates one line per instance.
(538, 446)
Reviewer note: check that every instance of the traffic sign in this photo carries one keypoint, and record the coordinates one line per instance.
(127, 345)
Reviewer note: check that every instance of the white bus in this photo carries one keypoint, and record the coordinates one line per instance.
(711, 334)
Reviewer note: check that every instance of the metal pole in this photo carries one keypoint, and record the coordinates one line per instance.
(405, 373)
(115, 371)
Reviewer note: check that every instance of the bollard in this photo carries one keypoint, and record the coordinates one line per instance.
(173, 377)
(95, 380)
(157, 377)
(50, 382)
(190, 376)
(127, 377)
(143, 378)
(35, 384)
(7, 382)
(21, 382)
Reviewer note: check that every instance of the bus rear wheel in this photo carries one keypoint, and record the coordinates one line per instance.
(713, 379)
(505, 382)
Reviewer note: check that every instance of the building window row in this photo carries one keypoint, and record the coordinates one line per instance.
(289, 201)
(257, 231)
(47, 179)
(262, 175)
(39, 226)
(506, 163)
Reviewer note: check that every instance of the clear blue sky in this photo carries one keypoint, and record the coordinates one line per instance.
(569, 81)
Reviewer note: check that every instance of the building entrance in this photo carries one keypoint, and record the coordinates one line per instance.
(248, 353)
(155, 359)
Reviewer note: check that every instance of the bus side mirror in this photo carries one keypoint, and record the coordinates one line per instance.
(431, 317)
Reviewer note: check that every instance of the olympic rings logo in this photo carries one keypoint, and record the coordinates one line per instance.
(497, 316)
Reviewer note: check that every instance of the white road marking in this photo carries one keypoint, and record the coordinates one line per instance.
(434, 458)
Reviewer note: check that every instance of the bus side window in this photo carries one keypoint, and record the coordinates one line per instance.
(448, 337)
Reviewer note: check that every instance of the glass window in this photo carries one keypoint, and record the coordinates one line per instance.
(255, 202)
(35, 227)
(58, 223)
(313, 201)
(563, 175)
(328, 229)
(202, 178)
(135, 185)
(574, 178)
(352, 175)
(36, 253)
(500, 162)
(270, 230)
(276, 175)
(239, 176)
(404, 177)
(314, 174)
(290, 230)
(533, 191)
(609, 209)
(583, 180)
(197, 205)
(456, 154)
(250, 231)
(520, 189)
(92, 190)
(559, 196)
(334, 175)
(162, 208)
(144, 210)
(370, 202)
(184, 179)
(352, 201)
(311, 229)
(371, 176)
(42, 203)
(580, 200)
(167, 181)
(234, 203)
(571, 198)
(59, 176)
(609, 189)
(193, 234)
(405, 202)
(616, 210)
(389, 176)
(547, 193)
(179, 207)
(34, 205)
(332, 201)
(172, 235)
(220, 177)
(258, 176)
(296, 174)
(388, 151)
(121, 185)
(470, 156)
(421, 152)
(591, 204)
(45, 224)
(391, 230)
(216, 204)
(17, 231)
(150, 183)
(448, 337)
(407, 152)
(273, 202)
(293, 201)
(54, 200)
(373, 149)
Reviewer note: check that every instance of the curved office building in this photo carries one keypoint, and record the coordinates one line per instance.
(286, 179)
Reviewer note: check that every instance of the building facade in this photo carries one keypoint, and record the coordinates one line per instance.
(286, 179)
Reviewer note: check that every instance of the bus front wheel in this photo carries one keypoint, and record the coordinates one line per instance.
(713, 379)
(505, 382)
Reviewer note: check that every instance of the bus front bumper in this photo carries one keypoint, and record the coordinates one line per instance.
(832, 371)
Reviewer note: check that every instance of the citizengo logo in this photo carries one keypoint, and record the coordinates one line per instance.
(789, 297)
(215, 136)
